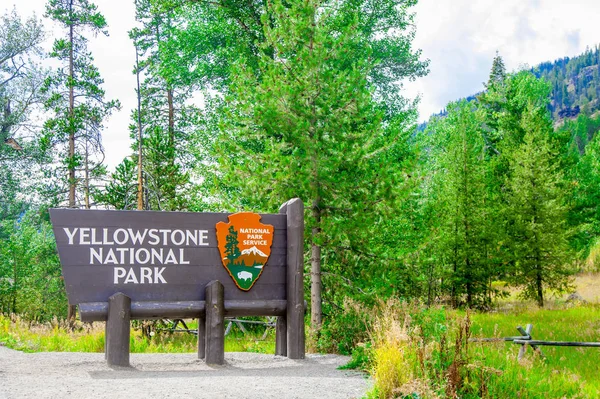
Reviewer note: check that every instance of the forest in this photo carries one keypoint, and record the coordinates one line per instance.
(499, 194)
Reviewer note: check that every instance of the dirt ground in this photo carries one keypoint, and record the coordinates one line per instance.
(245, 375)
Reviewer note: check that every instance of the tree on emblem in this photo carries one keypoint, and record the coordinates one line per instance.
(232, 252)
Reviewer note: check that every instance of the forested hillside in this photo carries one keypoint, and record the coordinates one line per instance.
(575, 83)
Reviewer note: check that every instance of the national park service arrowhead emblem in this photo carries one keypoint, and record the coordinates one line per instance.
(245, 245)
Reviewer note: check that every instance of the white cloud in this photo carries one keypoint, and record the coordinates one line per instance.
(461, 37)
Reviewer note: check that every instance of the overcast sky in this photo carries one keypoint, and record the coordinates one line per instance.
(460, 37)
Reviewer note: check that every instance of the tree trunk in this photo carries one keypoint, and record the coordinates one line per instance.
(171, 118)
(539, 286)
(140, 190)
(71, 309)
(316, 316)
(316, 286)
(86, 184)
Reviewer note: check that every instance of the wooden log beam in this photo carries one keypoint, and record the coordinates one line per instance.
(294, 211)
(273, 307)
(504, 339)
(215, 318)
(118, 330)
(98, 311)
(558, 343)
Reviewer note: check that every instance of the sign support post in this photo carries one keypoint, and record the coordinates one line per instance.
(117, 330)
(201, 337)
(281, 336)
(215, 317)
(294, 211)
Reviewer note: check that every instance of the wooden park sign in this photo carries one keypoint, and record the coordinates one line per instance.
(124, 265)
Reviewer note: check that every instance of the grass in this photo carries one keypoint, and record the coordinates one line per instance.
(426, 353)
(89, 337)
(564, 365)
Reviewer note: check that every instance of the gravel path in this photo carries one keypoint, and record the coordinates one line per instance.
(245, 375)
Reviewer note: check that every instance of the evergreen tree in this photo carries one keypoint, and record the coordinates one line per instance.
(536, 212)
(232, 251)
(121, 190)
(463, 232)
(498, 73)
(164, 118)
(76, 99)
(310, 128)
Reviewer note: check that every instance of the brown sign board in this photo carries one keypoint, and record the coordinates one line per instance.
(124, 265)
(156, 256)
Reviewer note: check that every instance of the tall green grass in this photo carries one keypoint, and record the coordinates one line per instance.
(56, 337)
(427, 353)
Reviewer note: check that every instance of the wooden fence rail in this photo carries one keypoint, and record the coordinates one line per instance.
(526, 339)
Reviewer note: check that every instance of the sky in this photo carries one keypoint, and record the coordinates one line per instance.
(459, 37)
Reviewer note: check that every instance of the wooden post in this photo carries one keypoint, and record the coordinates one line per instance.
(281, 337)
(106, 339)
(118, 330)
(527, 333)
(215, 317)
(201, 337)
(294, 210)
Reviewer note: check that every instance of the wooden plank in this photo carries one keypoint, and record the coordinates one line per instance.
(215, 316)
(65, 217)
(118, 330)
(201, 337)
(281, 337)
(294, 211)
(177, 292)
(558, 343)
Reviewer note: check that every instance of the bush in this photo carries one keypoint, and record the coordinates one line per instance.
(30, 276)
(344, 330)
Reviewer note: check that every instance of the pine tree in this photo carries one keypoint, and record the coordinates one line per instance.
(121, 191)
(76, 98)
(232, 252)
(309, 128)
(76, 101)
(536, 212)
(498, 73)
(163, 118)
(462, 205)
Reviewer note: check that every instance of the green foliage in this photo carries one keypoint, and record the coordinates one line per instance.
(20, 80)
(463, 206)
(575, 83)
(408, 362)
(345, 332)
(121, 191)
(30, 278)
(164, 117)
(56, 336)
(537, 214)
(309, 126)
